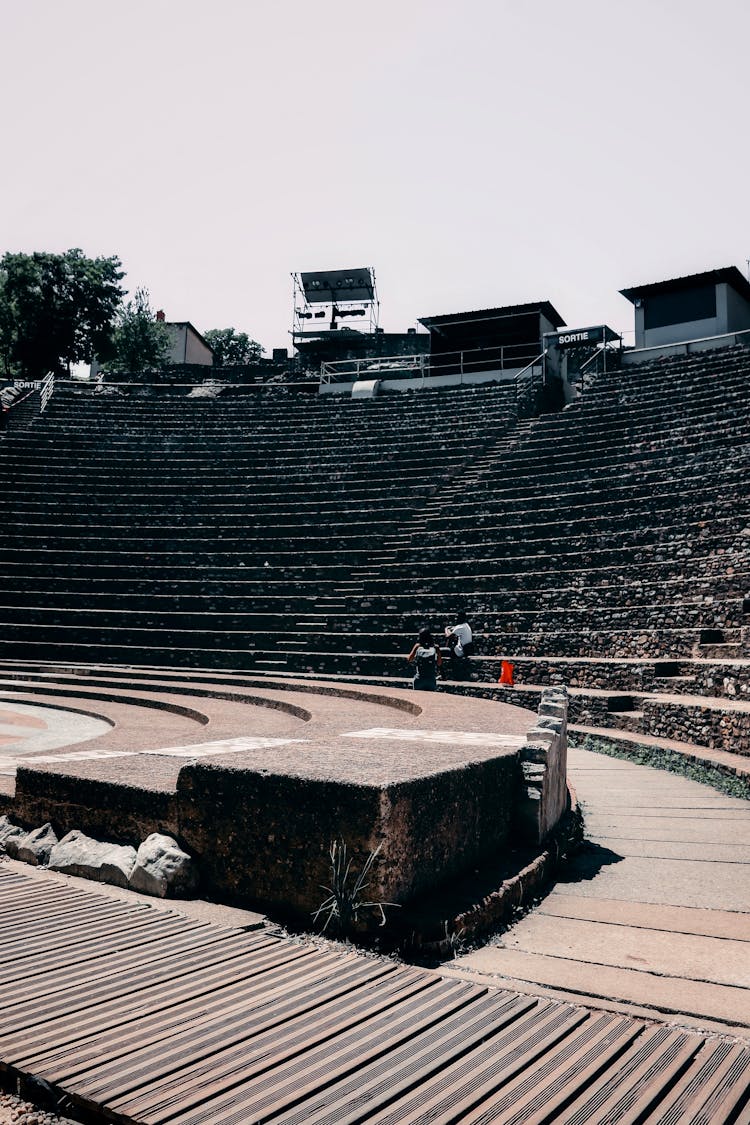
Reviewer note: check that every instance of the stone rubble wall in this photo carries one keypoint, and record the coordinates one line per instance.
(544, 759)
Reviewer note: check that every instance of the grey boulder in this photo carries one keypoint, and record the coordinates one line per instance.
(162, 868)
(35, 846)
(78, 854)
(10, 834)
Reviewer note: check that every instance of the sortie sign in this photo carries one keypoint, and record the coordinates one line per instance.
(576, 337)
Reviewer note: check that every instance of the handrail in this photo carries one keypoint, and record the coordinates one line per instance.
(585, 365)
(734, 336)
(46, 391)
(31, 389)
(17, 401)
(423, 364)
(527, 384)
(84, 384)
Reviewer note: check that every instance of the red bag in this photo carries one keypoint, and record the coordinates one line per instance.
(506, 673)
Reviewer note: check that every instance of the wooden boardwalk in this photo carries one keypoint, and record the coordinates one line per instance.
(154, 1017)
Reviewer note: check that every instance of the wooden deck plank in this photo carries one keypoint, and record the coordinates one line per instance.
(500, 1075)
(205, 1028)
(271, 1049)
(130, 1022)
(306, 1068)
(163, 1020)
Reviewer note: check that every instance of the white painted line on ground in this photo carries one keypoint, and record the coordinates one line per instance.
(8, 765)
(458, 737)
(224, 746)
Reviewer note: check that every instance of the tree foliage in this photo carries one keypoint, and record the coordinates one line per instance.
(141, 342)
(231, 347)
(56, 310)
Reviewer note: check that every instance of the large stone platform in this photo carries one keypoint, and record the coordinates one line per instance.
(265, 775)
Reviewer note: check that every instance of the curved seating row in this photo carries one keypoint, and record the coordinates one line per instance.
(315, 535)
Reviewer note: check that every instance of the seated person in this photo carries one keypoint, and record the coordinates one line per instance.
(461, 644)
(428, 660)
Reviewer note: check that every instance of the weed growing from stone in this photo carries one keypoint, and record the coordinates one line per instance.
(346, 902)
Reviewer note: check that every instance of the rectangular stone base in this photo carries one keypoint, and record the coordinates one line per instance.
(265, 837)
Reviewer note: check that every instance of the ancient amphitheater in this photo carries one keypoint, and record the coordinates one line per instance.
(206, 607)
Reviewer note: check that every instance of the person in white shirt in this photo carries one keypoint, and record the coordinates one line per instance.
(461, 643)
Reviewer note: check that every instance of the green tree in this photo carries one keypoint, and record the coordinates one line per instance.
(56, 310)
(231, 347)
(141, 342)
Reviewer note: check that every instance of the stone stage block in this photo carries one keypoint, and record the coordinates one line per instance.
(433, 780)
(263, 834)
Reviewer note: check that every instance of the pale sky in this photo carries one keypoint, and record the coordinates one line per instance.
(475, 154)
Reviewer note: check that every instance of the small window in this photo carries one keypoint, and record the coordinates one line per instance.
(662, 309)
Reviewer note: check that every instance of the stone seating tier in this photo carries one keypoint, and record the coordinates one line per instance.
(273, 543)
(711, 561)
(721, 556)
(612, 503)
(240, 649)
(582, 550)
(635, 484)
(403, 608)
(686, 612)
(501, 478)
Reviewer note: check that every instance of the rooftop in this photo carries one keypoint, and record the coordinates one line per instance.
(505, 312)
(729, 274)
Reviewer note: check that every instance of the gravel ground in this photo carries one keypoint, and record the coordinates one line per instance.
(14, 1111)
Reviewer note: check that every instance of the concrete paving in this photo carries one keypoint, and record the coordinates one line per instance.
(29, 729)
(653, 913)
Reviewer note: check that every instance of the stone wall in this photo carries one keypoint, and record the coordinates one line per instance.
(122, 813)
(717, 728)
(544, 797)
(264, 837)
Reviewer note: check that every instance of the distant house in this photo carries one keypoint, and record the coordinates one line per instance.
(186, 347)
(186, 343)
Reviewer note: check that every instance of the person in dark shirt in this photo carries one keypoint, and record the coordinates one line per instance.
(426, 657)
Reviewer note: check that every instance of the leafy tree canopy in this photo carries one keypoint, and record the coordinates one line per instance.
(231, 347)
(141, 342)
(56, 310)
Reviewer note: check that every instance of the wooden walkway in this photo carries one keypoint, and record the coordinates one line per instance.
(154, 1017)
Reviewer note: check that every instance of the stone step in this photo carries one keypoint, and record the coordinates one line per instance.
(728, 651)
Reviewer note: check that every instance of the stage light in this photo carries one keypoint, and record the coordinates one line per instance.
(330, 285)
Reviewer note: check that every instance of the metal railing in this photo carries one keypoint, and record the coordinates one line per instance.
(46, 392)
(425, 366)
(86, 387)
(687, 347)
(529, 383)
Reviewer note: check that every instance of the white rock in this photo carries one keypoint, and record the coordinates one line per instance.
(78, 854)
(162, 868)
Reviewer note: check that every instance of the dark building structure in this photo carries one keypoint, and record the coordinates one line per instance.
(489, 339)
